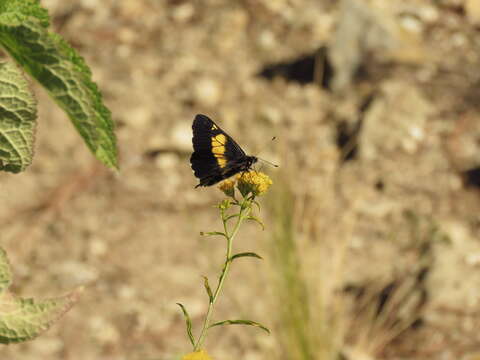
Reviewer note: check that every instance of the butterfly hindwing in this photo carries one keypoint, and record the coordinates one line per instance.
(216, 155)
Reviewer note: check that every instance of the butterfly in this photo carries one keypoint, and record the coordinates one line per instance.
(216, 156)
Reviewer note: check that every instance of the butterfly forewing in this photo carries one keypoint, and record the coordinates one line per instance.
(216, 155)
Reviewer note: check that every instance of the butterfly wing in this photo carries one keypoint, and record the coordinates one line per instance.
(216, 155)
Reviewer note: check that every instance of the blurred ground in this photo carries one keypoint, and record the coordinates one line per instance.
(375, 108)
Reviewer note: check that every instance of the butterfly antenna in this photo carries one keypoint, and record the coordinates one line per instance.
(264, 145)
(267, 162)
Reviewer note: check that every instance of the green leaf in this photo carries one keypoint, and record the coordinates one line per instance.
(256, 203)
(61, 71)
(212, 233)
(17, 119)
(26, 7)
(189, 324)
(241, 322)
(232, 216)
(245, 254)
(24, 319)
(256, 219)
(207, 287)
(5, 272)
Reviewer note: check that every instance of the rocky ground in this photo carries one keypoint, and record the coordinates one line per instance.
(375, 108)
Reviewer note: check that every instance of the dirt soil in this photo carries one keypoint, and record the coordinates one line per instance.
(375, 106)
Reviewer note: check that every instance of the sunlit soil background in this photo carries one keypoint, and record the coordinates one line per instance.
(371, 246)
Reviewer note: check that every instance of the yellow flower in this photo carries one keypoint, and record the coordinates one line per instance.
(197, 355)
(253, 182)
(227, 186)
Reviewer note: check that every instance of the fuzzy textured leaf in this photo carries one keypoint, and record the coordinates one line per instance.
(26, 7)
(24, 319)
(17, 119)
(241, 322)
(61, 71)
(5, 272)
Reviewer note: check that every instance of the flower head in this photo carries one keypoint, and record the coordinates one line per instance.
(227, 186)
(253, 182)
(197, 355)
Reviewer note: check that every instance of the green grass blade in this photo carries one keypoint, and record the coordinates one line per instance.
(291, 290)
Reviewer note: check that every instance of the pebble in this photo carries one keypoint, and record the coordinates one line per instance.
(473, 259)
(272, 114)
(47, 347)
(166, 161)
(182, 136)
(98, 247)
(139, 118)
(103, 331)
(126, 292)
(472, 9)
(183, 12)
(73, 273)
(428, 14)
(267, 40)
(207, 92)
(412, 24)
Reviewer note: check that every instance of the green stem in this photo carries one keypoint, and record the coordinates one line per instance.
(245, 208)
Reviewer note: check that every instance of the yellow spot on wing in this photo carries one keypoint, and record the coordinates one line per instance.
(214, 127)
(218, 149)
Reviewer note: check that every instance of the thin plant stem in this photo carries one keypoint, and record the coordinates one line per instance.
(245, 208)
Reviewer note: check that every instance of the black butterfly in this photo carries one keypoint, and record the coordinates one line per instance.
(216, 156)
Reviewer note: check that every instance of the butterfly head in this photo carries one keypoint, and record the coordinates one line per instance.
(249, 162)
